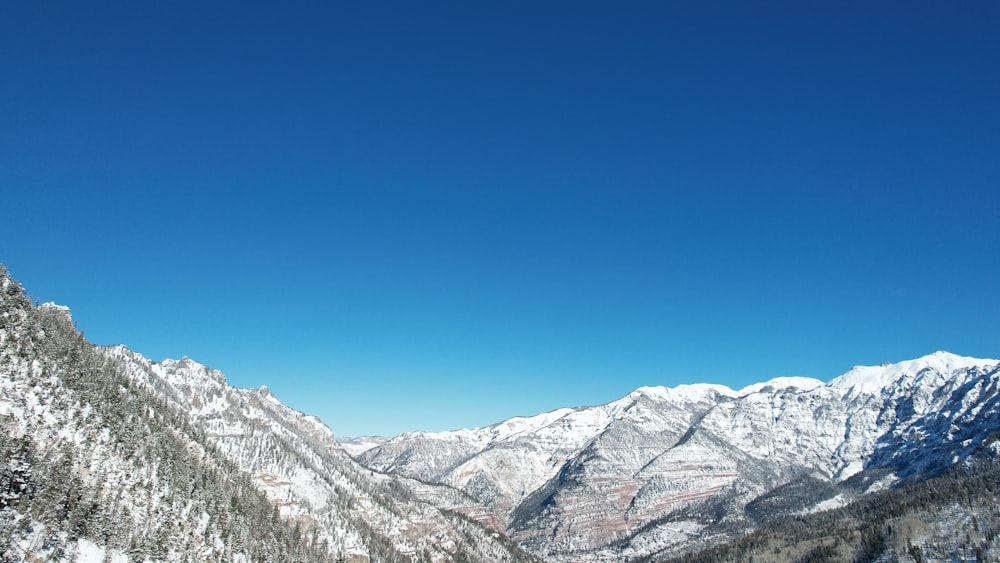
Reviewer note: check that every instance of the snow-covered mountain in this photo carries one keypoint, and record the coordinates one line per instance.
(106, 454)
(664, 470)
(93, 468)
(296, 461)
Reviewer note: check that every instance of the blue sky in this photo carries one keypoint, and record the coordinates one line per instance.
(433, 215)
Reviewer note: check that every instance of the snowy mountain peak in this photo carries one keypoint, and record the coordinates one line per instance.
(951, 362)
(522, 424)
(793, 382)
(686, 392)
(189, 372)
(873, 379)
(703, 391)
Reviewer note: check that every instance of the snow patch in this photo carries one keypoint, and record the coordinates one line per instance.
(89, 552)
(828, 504)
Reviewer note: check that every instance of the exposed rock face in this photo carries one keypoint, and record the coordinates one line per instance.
(674, 468)
(295, 459)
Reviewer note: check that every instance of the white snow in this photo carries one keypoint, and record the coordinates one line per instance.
(89, 552)
(794, 382)
(872, 379)
(828, 504)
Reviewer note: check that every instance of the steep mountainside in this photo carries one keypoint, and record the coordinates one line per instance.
(303, 470)
(106, 454)
(92, 466)
(668, 470)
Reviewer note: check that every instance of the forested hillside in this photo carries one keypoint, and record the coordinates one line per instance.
(106, 455)
(952, 517)
(92, 463)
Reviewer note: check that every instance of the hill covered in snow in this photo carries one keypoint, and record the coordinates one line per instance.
(666, 470)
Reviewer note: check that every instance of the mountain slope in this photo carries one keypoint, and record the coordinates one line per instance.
(664, 469)
(107, 454)
(304, 471)
(951, 517)
(93, 466)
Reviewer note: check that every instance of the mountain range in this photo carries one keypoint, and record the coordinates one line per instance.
(663, 470)
(108, 456)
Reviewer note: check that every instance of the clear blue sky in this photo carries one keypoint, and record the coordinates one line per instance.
(427, 215)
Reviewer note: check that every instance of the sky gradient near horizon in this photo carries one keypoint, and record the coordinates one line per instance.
(434, 215)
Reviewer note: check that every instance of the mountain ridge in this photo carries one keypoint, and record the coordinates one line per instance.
(589, 478)
(857, 373)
